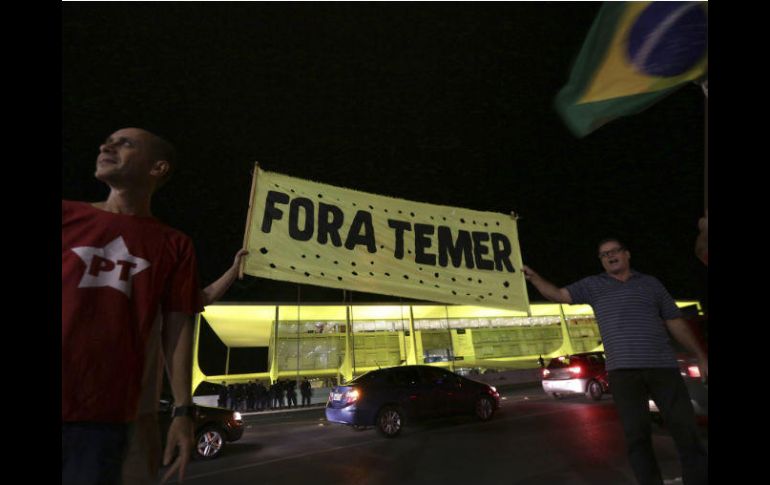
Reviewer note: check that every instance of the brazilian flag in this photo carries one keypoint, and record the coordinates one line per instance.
(636, 53)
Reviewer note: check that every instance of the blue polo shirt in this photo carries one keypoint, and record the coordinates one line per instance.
(631, 318)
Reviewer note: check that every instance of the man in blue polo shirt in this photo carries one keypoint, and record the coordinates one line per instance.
(634, 312)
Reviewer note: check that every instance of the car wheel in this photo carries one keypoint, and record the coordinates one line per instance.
(209, 443)
(594, 390)
(484, 408)
(556, 395)
(389, 421)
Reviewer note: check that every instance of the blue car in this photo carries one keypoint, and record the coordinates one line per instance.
(385, 398)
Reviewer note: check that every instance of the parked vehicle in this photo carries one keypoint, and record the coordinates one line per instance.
(386, 398)
(214, 427)
(582, 373)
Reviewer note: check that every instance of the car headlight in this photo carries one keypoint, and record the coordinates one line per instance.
(237, 416)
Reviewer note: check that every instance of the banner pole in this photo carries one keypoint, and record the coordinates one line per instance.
(706, 151)
(254, 174)
(520, 262)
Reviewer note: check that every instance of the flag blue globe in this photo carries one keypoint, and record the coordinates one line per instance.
(669, 38)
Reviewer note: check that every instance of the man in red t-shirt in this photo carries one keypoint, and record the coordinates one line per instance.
(125, 275)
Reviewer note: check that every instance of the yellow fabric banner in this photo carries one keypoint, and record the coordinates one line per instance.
(318, 234)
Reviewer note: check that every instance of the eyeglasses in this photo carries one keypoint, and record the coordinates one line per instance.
(611, 252)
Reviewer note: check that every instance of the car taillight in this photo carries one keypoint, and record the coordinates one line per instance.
(576, 370)
(352, 396)
(693, 371)
(546, 372)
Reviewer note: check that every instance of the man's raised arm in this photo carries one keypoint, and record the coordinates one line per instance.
(546, 288)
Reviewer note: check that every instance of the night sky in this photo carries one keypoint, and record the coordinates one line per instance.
(447, 103)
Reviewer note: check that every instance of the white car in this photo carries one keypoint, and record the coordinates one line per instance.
(576, 374)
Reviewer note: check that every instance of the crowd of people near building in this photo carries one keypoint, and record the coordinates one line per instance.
(256, 396)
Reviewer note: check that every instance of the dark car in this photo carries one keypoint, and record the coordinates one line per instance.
(385, 398)
(213, 428)
(583, 373)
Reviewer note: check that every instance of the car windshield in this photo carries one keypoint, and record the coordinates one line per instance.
(397, 376)
(570, 360)
(560, 362)
(362, 378)
(374, 376)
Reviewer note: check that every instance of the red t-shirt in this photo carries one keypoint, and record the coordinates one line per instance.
(119, 273)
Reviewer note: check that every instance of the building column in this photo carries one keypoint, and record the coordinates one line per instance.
(566, 346)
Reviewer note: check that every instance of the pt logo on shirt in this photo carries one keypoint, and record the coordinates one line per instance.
(111, 266)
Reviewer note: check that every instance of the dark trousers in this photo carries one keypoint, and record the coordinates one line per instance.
(631, 390)
(93, 453)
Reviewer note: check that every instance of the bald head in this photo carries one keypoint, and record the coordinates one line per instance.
(135, 157)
